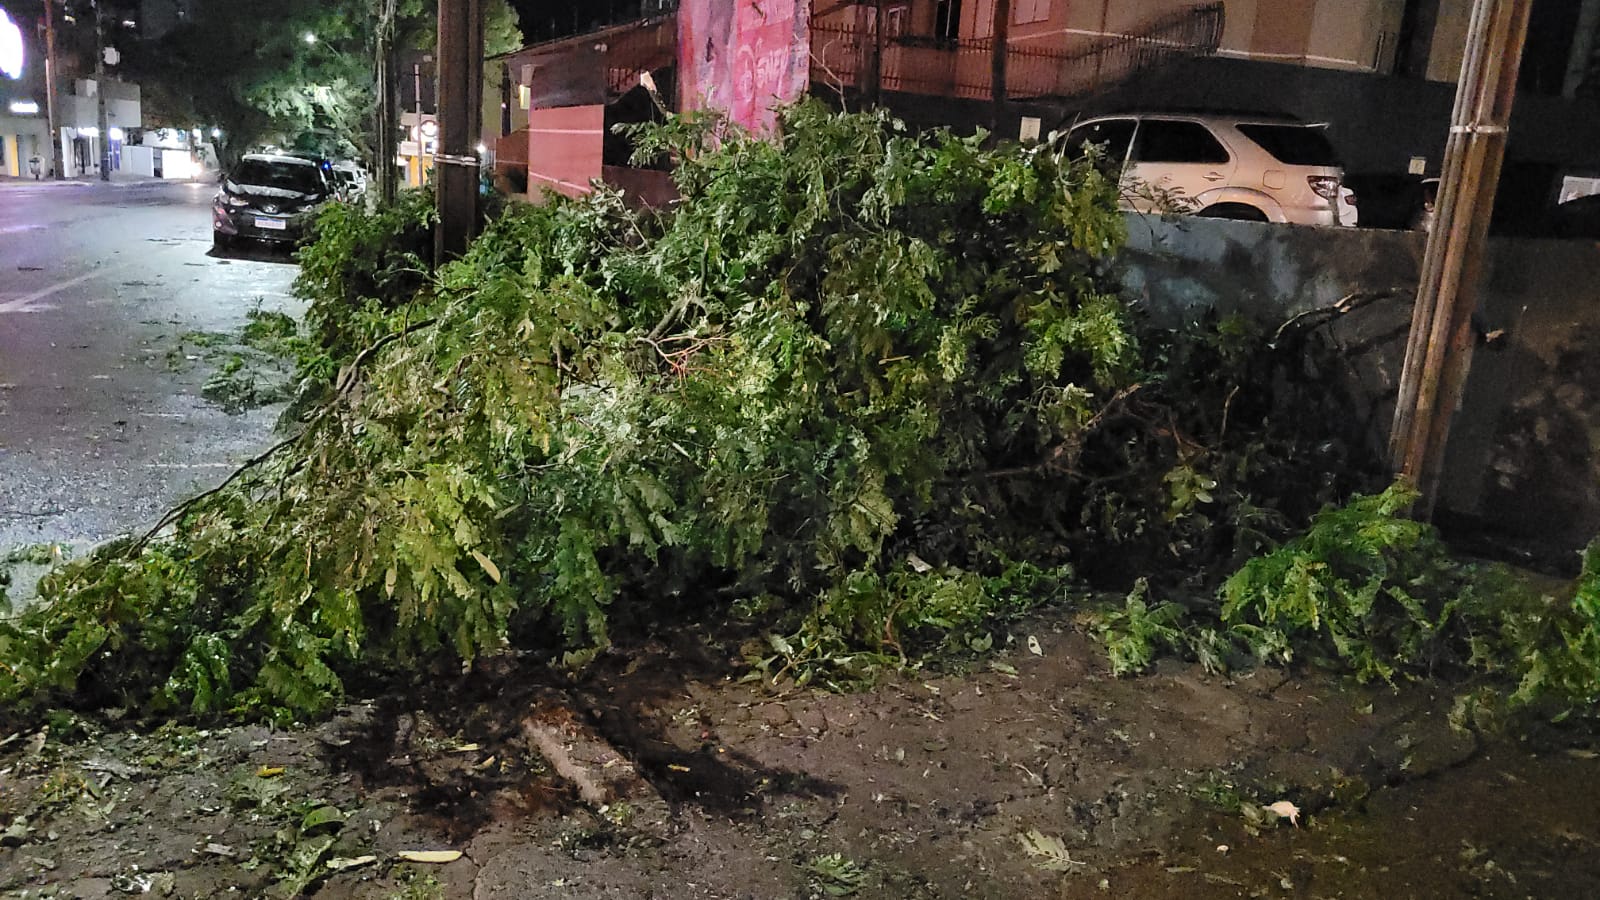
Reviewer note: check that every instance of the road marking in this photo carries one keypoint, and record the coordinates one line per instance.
(215, 465)
(21, 303)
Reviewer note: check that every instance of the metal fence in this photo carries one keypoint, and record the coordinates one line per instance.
(843, 56)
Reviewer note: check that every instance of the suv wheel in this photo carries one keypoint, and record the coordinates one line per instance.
(1241, 212)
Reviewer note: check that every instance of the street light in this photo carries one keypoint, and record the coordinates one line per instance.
(311, 38)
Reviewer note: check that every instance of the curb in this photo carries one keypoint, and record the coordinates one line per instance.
(41, 183)
(24, 184)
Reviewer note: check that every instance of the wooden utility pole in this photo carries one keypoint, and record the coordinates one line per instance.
(455, 165)
(1439, 351)
(998, 58)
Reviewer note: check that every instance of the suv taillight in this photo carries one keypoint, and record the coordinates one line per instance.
(1326, 186)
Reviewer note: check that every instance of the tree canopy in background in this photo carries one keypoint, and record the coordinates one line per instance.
(301, 78)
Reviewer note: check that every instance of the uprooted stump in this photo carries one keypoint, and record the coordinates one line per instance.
(605, 779)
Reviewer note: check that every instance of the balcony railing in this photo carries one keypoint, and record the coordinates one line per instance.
(842, 56)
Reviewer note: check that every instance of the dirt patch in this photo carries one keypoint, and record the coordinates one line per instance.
(1039, 777)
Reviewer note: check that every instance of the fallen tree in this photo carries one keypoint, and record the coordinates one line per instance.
(876, 384)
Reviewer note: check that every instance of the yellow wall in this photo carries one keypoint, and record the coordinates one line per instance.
(13, 156)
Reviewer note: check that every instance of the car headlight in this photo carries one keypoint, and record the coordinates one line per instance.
(233, 202)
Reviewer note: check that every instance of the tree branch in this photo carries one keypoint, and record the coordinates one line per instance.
(347, 381)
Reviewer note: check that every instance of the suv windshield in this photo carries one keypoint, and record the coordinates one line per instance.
(1295, 145)
(281, 175)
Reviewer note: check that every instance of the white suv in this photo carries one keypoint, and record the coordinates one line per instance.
(1257, 168)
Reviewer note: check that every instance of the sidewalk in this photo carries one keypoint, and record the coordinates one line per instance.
(118, 179)
(6, 181)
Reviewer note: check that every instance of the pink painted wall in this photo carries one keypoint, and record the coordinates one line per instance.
(743, 57)
(564, 148)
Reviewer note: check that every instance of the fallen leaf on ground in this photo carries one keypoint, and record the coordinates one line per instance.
(340, 863)
(220, 850)
(1049, 852)
(269, 771)
(430, 856)
(1286, 810)
(1033, 646)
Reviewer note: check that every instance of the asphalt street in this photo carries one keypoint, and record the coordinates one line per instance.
(103, 289)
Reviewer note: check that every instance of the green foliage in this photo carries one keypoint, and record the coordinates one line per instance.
(835, 875)
(363, 266)
(870, 620)
(874, 382)
(1563, 666)
(1366, 590)
(821, 363)
(271, 332)
(1135, 634)
(1375, 587)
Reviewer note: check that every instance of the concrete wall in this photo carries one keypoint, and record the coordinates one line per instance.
(1522, 458)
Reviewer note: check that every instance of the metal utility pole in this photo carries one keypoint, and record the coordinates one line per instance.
(416, 106)
(383, 149)
(1439, 351)
(416, 90)
(459, 76)
(57, 169)
(104, 124)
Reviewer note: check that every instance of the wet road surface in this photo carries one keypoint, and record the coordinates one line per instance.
(102, 289)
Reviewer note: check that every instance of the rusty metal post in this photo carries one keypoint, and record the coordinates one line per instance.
(1439, 351)
(879, 27)
(1000, 50)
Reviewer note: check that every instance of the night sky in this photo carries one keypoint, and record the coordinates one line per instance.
(546, 19)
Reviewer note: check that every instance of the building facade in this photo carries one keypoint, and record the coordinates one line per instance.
(24, 107)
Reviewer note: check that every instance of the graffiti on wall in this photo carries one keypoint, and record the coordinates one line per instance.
(743, 57)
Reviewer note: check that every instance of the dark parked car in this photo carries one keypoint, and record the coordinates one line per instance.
(1576, 219)
(268, 198)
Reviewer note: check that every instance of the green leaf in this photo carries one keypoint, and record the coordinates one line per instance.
(488, 566)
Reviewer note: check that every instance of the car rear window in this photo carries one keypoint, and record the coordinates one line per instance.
(281, 175)
(1294, 145)
(1165, 141)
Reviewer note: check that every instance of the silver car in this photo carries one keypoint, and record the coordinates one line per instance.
(1257, 168)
